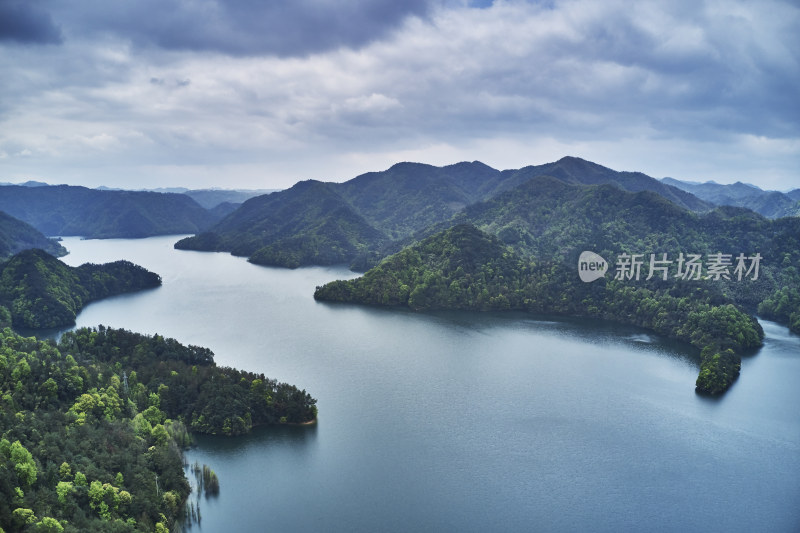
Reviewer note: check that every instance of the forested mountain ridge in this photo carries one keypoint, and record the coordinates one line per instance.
(392, 207)
(577, 171)
(411, 196)
(39, 291)
(307, 224)
(92, 213)
(16, 235)
(92, 427)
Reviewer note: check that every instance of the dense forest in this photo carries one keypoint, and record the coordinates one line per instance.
(16, 235)
(93, 426)
(39, 291)
(100, 214)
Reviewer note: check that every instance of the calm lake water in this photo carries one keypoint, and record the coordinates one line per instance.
(467, 422)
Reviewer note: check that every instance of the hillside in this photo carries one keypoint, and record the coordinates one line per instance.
(68, 210)
(307, 224)
(16, 235)
(459, 268)
(546, 218)
(39, 291)
(411, 196)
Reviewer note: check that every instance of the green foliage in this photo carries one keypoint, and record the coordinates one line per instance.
(42, 292)
(717, 370)
(182, 382)
(783, 305)
(459, 268)
(128, 473)
(23, 464)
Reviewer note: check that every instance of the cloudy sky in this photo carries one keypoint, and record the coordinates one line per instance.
(263, 93)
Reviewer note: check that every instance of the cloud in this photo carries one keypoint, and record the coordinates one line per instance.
(24, 22)
(244, 27)
(328, 89)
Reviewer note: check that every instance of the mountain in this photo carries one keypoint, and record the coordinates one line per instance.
(547, 219)
(29, 183)
(384, 210)
(578, 171)
(39, 291)
(309, 223)
(411, 196)
(16, 235)
(771, 204)
(92, 213)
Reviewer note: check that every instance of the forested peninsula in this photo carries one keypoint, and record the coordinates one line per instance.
(39, 291)
(93, 426)
(465, 268)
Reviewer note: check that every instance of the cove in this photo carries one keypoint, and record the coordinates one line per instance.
(467, 422)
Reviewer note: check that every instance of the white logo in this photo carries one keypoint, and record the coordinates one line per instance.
(591, 267)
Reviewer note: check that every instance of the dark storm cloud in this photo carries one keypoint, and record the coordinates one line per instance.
(245, 27)
(24, 22)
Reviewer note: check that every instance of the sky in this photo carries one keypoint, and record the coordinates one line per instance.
(264, 93)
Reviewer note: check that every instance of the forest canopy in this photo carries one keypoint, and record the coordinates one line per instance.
(93, 426)
(39, 291)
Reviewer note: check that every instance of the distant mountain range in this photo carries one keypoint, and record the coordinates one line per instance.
(771, 204)
(208, 198)
(92, 213)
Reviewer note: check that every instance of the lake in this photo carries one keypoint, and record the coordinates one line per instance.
(467, 422)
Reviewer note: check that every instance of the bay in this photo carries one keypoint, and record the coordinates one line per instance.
(467, 422)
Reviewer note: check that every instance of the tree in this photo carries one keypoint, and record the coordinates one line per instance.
(23, 464)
